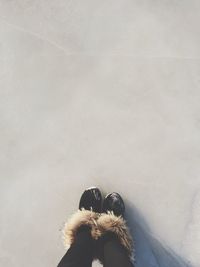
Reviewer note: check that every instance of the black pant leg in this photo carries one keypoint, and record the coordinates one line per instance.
(80, 254)
(115, 254)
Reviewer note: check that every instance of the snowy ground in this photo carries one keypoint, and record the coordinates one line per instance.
(101, 93)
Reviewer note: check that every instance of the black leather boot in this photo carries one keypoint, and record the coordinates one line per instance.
(91, 199)
(112, 226)
(113, 202)
(85, 217)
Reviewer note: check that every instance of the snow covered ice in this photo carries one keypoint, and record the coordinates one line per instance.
(101, 93)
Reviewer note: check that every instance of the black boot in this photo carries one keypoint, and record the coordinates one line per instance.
(91, 199)
(112, 226)
(85, 217)
(113, 202)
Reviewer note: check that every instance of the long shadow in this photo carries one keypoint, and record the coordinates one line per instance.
(149, 252)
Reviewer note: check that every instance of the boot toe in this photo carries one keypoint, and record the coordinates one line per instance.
(91, 199)
(113, 202)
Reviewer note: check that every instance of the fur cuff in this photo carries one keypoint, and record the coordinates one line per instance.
(117, 225)
(80, 217)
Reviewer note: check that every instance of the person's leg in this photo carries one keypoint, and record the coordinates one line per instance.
(80, 230)
(115, 247)
(80, 253)
(114, 254)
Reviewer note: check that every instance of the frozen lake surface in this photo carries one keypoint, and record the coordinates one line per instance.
(103, 93)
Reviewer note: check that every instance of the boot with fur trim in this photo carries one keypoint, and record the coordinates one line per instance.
(109, 225)
(88, 213)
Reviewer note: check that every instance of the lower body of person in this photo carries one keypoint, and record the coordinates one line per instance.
(98, 231)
